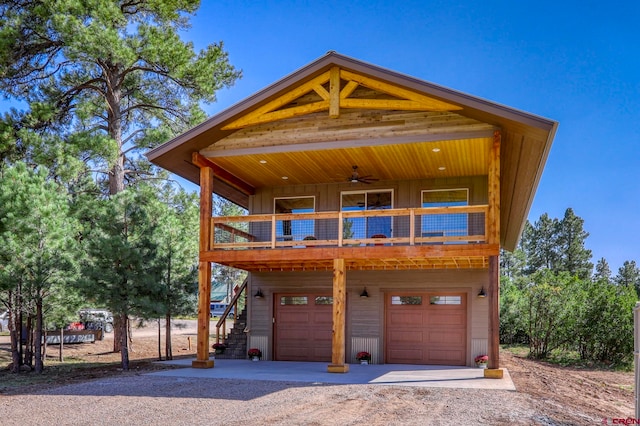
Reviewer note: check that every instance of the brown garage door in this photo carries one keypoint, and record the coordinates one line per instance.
(303, 325)
(426, 328)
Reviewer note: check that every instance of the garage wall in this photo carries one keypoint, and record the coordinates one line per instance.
(365, 316)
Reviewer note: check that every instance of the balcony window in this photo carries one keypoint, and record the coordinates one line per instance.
(294, 230)
(369, 227)
(445, 225)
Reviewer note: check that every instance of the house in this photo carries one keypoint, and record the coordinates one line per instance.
(378, 204)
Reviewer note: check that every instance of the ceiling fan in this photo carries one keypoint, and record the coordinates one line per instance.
(355, 177)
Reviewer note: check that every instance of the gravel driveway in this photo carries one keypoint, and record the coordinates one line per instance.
(155, 400)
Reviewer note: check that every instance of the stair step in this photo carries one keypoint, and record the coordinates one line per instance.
(236, 339)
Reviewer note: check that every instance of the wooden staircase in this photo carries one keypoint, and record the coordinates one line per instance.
(236, 340)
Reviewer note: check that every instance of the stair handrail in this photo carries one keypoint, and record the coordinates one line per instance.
(233, 304)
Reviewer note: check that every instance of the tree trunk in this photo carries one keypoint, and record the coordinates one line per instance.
(114, 125)
(39, 366)
(124, 342)
(159, 341)
(28, 336)
(14, 331)
(116, 174)
(117, 332)
(167, 326)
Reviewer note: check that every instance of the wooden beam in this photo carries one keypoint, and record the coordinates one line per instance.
(292, 112)
(339, 318)
(435, 136)
(398, 91)
(222, 174)
(386, 104)
(204, 269)
(494, 313)
(334, 92)
(352, 253)
(348, 89)
(206, 207)
(493, 212)
(254, 116)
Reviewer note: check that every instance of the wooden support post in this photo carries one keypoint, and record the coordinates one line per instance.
(493, 370)
(493, 213)
(339, 318)
(204, 270)
(334, 92)
(493, 237)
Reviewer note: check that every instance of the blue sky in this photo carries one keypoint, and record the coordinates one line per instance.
(575, 62)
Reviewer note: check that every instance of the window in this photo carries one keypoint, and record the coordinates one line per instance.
(293, 300)
(445, 300)
(406, 300)
(324, 300)
(445, 225)
(367, 227)
(294, 230)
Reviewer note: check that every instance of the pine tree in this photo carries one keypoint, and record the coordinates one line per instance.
(120, 268)
(177, 215)
(540, 244)
(603, 272)
(37, 246)
(629, 275)
(573, 256)
(102, 80)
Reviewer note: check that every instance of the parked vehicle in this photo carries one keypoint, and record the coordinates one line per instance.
(97, 319)
(4, 321)
(217, 309)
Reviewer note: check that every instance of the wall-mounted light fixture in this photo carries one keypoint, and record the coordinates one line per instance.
(482, 293)
(259, 294)
(364, 293)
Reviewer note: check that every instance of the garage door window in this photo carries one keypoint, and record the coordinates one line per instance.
(293, 300)
(324, 300)
(406, 300)
(446, 300)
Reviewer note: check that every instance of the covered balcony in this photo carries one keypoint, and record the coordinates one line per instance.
(407, 238)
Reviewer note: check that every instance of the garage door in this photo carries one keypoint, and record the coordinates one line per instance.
(426, 328)
(303, 327)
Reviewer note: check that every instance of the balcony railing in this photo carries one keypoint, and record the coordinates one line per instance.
(406, 226)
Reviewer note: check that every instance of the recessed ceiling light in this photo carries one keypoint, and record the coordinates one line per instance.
(436, 150)
(442, 168)
(285, 177)
(263, 161)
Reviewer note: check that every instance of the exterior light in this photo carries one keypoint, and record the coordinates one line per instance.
(482, 293)
(259, 294)
(364, 293)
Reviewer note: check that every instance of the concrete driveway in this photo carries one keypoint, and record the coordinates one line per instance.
(428, 376)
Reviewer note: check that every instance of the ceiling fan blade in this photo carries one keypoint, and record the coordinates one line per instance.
(368, 179)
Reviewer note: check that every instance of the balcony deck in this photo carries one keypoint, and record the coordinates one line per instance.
(418, 238)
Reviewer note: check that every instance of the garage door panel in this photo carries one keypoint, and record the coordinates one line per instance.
(455, 319)
(323, 318)
(406, 356)
(406, 319)
(288, 316)
(446, 337)
(446, 357)
(322, 335)
(401, 337)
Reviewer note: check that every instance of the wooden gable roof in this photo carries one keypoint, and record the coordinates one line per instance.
(315, 124)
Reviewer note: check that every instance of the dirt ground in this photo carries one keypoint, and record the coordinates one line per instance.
(565, 394)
